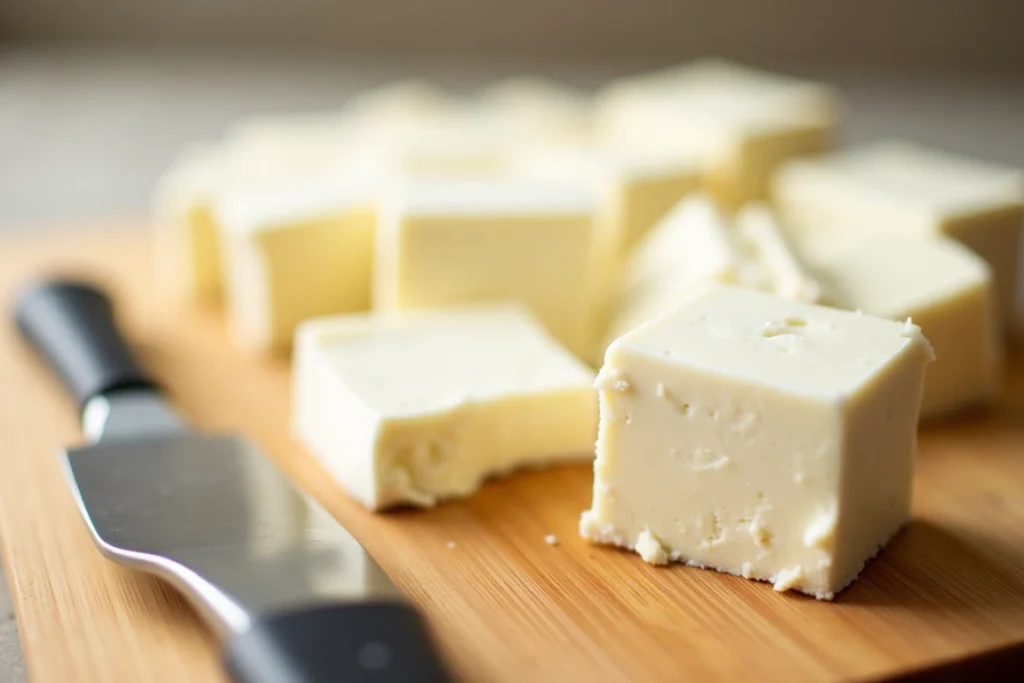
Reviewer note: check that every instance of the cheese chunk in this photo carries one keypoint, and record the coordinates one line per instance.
(899, 188)
(416, 407)
(296, 251)
(187, 243)
(741, 122)
(636, 186)
(694, 244)
(948, 291)
(760, 437)
(445, 242)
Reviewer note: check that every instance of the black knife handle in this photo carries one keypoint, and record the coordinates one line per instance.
(383, 642)
(72, 325)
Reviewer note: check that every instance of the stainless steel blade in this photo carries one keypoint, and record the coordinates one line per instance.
(211, 515)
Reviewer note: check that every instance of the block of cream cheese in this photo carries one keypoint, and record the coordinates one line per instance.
(694, 244)
(187, 257)
(445, 242)
(761, 437)
(945, 289)
(900, 188)
(295, 251)
(742, 122)
(415, 407)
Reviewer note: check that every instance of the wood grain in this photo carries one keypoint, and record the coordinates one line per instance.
(504, 605)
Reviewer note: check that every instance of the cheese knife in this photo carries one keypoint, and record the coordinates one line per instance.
(292, 594)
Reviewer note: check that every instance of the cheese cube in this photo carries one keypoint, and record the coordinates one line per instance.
(296, 251)
(636, 186)
(761, 437)
(187, 243)
(416, 407)
(695, 243)
(899, 188)
(948, 291)
(741, 122)
(445, 242)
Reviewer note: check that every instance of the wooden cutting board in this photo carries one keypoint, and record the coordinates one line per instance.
(504, 605)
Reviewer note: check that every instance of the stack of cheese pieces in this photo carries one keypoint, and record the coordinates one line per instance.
(449, 271)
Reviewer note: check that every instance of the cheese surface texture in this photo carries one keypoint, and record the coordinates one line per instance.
(741, 122)
(896, 188)
(445, 242)
(695, 243)
(297, 251)
(761, 437)
(415, 407)
(945, 289)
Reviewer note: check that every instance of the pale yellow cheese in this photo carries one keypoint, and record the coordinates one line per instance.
(741, 122)
(445, 242)
(761, 437)
(186, 255)
(416, 407)
(694, 244)
(297, 251)
(896, 188)
(945, 289)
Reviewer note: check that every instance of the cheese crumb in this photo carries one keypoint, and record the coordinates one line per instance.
(747, 570)
(450, 545)
(551, 539)
(820, 533)
(650, 548)
(788, 578)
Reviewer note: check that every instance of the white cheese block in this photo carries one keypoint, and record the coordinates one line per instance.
(187, 257)
(761, 437)
(445, 242)
(409, 101)
(694, 244)
(416, 407)
(948, 291)
(741, 122)
(899, 188)
(296, 251)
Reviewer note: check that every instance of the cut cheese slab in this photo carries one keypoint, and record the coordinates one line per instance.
(416, 407)
(695, 243)
(757, 436)
(187, 242)
(948, 291)
(297, 251)
(904, 189)
(741, 122)
(445, 242)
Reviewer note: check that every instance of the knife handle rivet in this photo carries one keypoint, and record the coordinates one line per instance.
(374, 656)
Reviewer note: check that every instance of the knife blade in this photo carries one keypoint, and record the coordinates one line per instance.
(293, 595)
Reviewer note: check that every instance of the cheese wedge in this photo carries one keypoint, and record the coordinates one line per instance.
(761, 437)
(695, 244)
(741, 122)
(897, 188)
(417, 407)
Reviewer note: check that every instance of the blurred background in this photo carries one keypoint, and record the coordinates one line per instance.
(96, 97)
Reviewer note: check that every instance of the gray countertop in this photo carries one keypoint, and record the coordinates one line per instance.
(84, 134)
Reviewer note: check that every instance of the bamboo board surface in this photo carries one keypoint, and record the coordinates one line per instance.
(504, 605)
